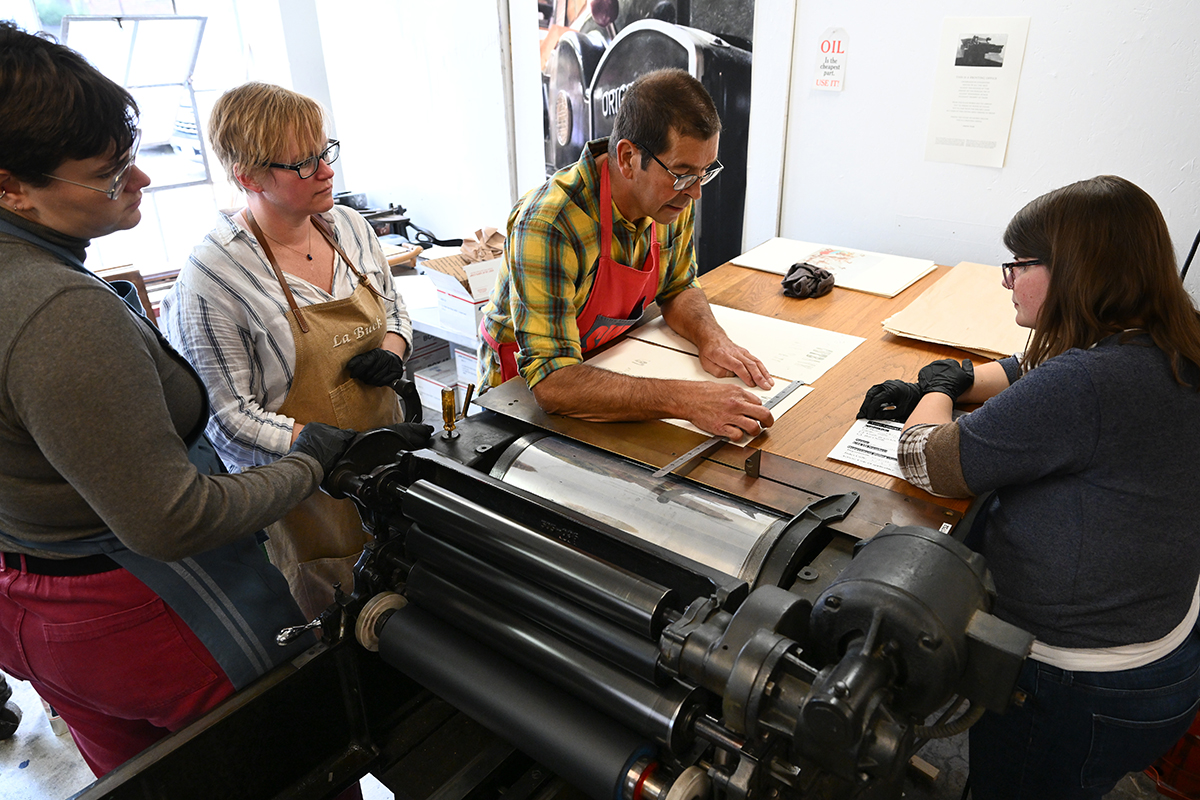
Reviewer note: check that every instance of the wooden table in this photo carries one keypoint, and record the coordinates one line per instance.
(811, 430)
(795, 468)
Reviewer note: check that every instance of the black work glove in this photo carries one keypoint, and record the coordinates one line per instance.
(890, 400)
(377, 367)
(947, 376)
(413, 435)
(323, 442)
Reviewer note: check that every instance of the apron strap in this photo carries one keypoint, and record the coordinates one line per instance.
(287, 291)
(325, 230)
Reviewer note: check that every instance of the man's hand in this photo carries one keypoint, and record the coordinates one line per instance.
(723, 409)
(723, 358)
(689, 315)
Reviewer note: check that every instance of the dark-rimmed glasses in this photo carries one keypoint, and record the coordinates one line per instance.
(309, 166)
(1009, 270)
(684, 181)
(118, 180)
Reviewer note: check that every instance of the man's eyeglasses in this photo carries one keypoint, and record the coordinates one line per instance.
(308, 167)
(1009, 270)
(684, 181)
(117, 185)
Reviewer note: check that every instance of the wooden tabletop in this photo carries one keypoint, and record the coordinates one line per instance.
(795, 468)
(809, 431)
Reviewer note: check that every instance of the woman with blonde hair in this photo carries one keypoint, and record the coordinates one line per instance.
(1089, 443)
(288, 311)
(132, 593)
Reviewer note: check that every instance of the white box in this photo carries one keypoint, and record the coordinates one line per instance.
(467, 364)
(427, 357)
(462, 291)
(430, 382)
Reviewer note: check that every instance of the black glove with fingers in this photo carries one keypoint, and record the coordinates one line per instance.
(377, 367)
(891, 400)
(413, 435)
(947, 376)
(323, 442)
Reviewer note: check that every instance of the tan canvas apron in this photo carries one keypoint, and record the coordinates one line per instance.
(318, 542)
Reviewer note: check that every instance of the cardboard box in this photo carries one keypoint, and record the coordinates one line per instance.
(462, 290)
(466, 362)
(426, 351)
(430, 382)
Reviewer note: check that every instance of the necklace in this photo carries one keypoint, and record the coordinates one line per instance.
(307, 255)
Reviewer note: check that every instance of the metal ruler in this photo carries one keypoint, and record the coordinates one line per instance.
(701, 450)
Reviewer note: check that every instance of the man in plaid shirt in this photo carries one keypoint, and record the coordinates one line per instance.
(591, 248)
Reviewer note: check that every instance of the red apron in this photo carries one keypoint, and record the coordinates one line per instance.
(619, 294)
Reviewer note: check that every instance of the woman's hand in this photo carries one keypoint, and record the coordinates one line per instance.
(947, 377)
(376, 367)
(891, 400)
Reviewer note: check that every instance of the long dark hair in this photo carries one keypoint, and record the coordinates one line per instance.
(1112, 268)
(55, 107)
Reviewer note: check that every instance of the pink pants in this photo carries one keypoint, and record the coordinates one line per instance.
(119, 666)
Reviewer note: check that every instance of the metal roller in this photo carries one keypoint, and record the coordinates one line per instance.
(662, 713)
(627, 599)
(713, 529)
(615, 644)
(588, 749)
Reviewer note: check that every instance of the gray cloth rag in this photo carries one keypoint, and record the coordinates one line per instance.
(806, 280)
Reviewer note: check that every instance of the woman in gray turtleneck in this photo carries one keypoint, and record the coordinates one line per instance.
(118, 556)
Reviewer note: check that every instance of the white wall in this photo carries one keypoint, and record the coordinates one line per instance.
(418, 91)
(1106, 87)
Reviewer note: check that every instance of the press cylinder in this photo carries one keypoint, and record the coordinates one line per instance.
(714, 529)
(627, 599)
(585, 747)
(660, 712)
(634, 654)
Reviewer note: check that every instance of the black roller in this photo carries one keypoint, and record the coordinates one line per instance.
(588, 749)
(615, 644)
(657, 712)
(623, 597)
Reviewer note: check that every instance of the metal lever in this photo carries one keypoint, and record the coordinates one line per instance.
(467, 401)
(289, 635)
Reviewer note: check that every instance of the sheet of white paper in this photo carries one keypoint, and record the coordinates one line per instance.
(417, 290)
(799, 352)
(644, 360)
(979, 68)
(861, 270)
(871, 444)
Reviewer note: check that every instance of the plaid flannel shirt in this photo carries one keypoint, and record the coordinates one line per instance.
(550, 261)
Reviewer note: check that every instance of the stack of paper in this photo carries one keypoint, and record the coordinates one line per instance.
(966, 308)
(861, 270)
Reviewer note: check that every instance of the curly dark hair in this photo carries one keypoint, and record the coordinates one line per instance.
(56, 107)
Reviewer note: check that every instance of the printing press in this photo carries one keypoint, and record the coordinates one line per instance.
(536, 617)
